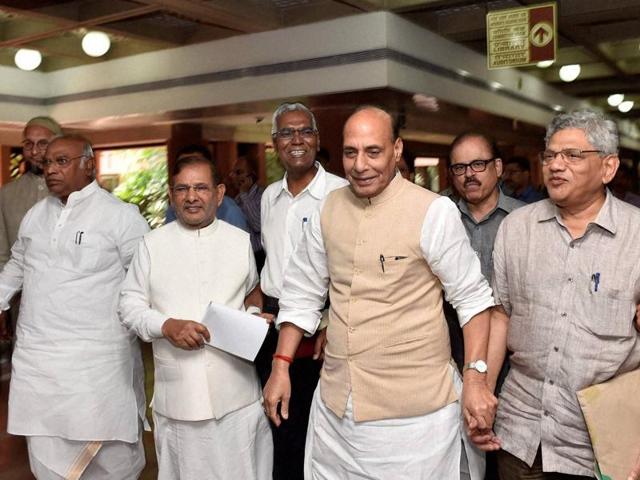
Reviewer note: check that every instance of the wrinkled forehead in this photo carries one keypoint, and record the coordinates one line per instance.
(37, 132)
(296, 118)
(64, 146)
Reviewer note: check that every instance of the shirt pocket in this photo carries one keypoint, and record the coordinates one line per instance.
(89, 253)
(613, 313)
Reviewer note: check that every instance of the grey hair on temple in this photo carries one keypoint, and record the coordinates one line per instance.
(291, 107)
(601, 132)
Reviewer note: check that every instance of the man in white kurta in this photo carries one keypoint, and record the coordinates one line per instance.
(387, 404)
(76, 387)
(209, 422)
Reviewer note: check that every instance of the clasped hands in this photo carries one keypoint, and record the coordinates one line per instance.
(479, 408)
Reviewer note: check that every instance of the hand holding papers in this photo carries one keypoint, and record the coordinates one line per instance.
(235, 332)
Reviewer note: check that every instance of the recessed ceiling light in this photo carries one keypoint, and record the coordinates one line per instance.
(545, 63)
(625, 106)
(496, 85)
(568, 73)
(615, 99)
(27, 59)
(462, 73)
(96, 44)
(558, 108)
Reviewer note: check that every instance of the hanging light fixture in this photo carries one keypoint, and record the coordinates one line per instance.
(96, 44)
(568, 73)
(27, 59)
(625, 106)
(615, 99)
(545, 63)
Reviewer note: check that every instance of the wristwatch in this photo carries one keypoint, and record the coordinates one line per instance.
(479, 366)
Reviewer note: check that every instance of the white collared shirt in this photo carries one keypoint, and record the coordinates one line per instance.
(72, 357)
(444, 244)
(283, 219)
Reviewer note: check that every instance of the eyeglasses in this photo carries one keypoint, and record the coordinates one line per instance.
(60, 161)
(182, 190)
(571, 155)
(306, 133)
(40, 145)
(476, 166)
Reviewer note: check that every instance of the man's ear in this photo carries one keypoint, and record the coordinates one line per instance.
(397, 150)
(610, 165)
(220, 191)
(499, 166)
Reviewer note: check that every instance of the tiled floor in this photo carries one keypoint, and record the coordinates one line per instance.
(14, 462)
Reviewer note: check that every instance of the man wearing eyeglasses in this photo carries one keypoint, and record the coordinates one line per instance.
(567, 281)
(208, 419)
(475, 167)
(18, 196)
(76, 390)
(287, 206)
(387, 404)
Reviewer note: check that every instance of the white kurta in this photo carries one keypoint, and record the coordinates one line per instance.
(209, 421)
(74, 365)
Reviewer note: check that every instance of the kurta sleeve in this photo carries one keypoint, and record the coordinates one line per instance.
(134, 226)
(135, 309)
(447, 250)
(252, 277)
(12, 274)
(306, 280)
(5, 245)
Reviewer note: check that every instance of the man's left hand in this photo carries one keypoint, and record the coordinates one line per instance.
(478, 404)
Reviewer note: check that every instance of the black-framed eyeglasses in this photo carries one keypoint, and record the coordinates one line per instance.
(288, 133)
(181, 190)
(475, 165)
(40, 144)
(571, 155)
(61, 161)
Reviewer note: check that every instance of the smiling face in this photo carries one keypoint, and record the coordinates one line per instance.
(475, 187)
(195, 195)
(370, 155)
(297, 154)
(577, 183)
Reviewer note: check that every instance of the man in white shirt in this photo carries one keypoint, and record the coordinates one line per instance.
(286, 208)
(387, 404)
(76, 388)
(209, 423)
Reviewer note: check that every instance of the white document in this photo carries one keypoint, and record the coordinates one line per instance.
(235, 332)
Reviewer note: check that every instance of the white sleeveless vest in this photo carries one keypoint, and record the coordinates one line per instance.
(189, 269)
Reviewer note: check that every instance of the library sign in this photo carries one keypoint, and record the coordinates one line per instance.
(521, 36)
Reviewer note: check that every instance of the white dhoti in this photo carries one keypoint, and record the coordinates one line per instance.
(55, 458)
(237, 446)
(424, 447)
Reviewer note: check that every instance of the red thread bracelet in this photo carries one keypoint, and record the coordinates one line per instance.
(286, 358)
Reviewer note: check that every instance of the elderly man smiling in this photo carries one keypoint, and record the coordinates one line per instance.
(567, 278)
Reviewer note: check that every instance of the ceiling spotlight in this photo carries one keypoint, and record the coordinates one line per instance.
(568, 73)
(96, 44)
(625, 106)
(495, 85)
(27, 59)
(462, 72)
(615, 99)
(545, 63)
(558, 108)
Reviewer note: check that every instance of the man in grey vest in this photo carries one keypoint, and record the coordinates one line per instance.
(384, 248)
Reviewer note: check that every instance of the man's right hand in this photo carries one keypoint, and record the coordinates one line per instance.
(185, 334)
(277, 391)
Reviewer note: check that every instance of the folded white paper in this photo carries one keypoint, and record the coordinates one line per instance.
(235, 332)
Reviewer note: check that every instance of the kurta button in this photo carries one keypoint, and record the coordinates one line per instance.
(563, 314)
(550, 382)
(555, 349)
(570, 279)
(546, 414)
(351, 329)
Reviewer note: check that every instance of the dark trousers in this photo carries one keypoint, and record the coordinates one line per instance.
(289, 438)
(512, 468)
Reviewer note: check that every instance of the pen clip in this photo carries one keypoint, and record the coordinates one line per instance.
(382, 262)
